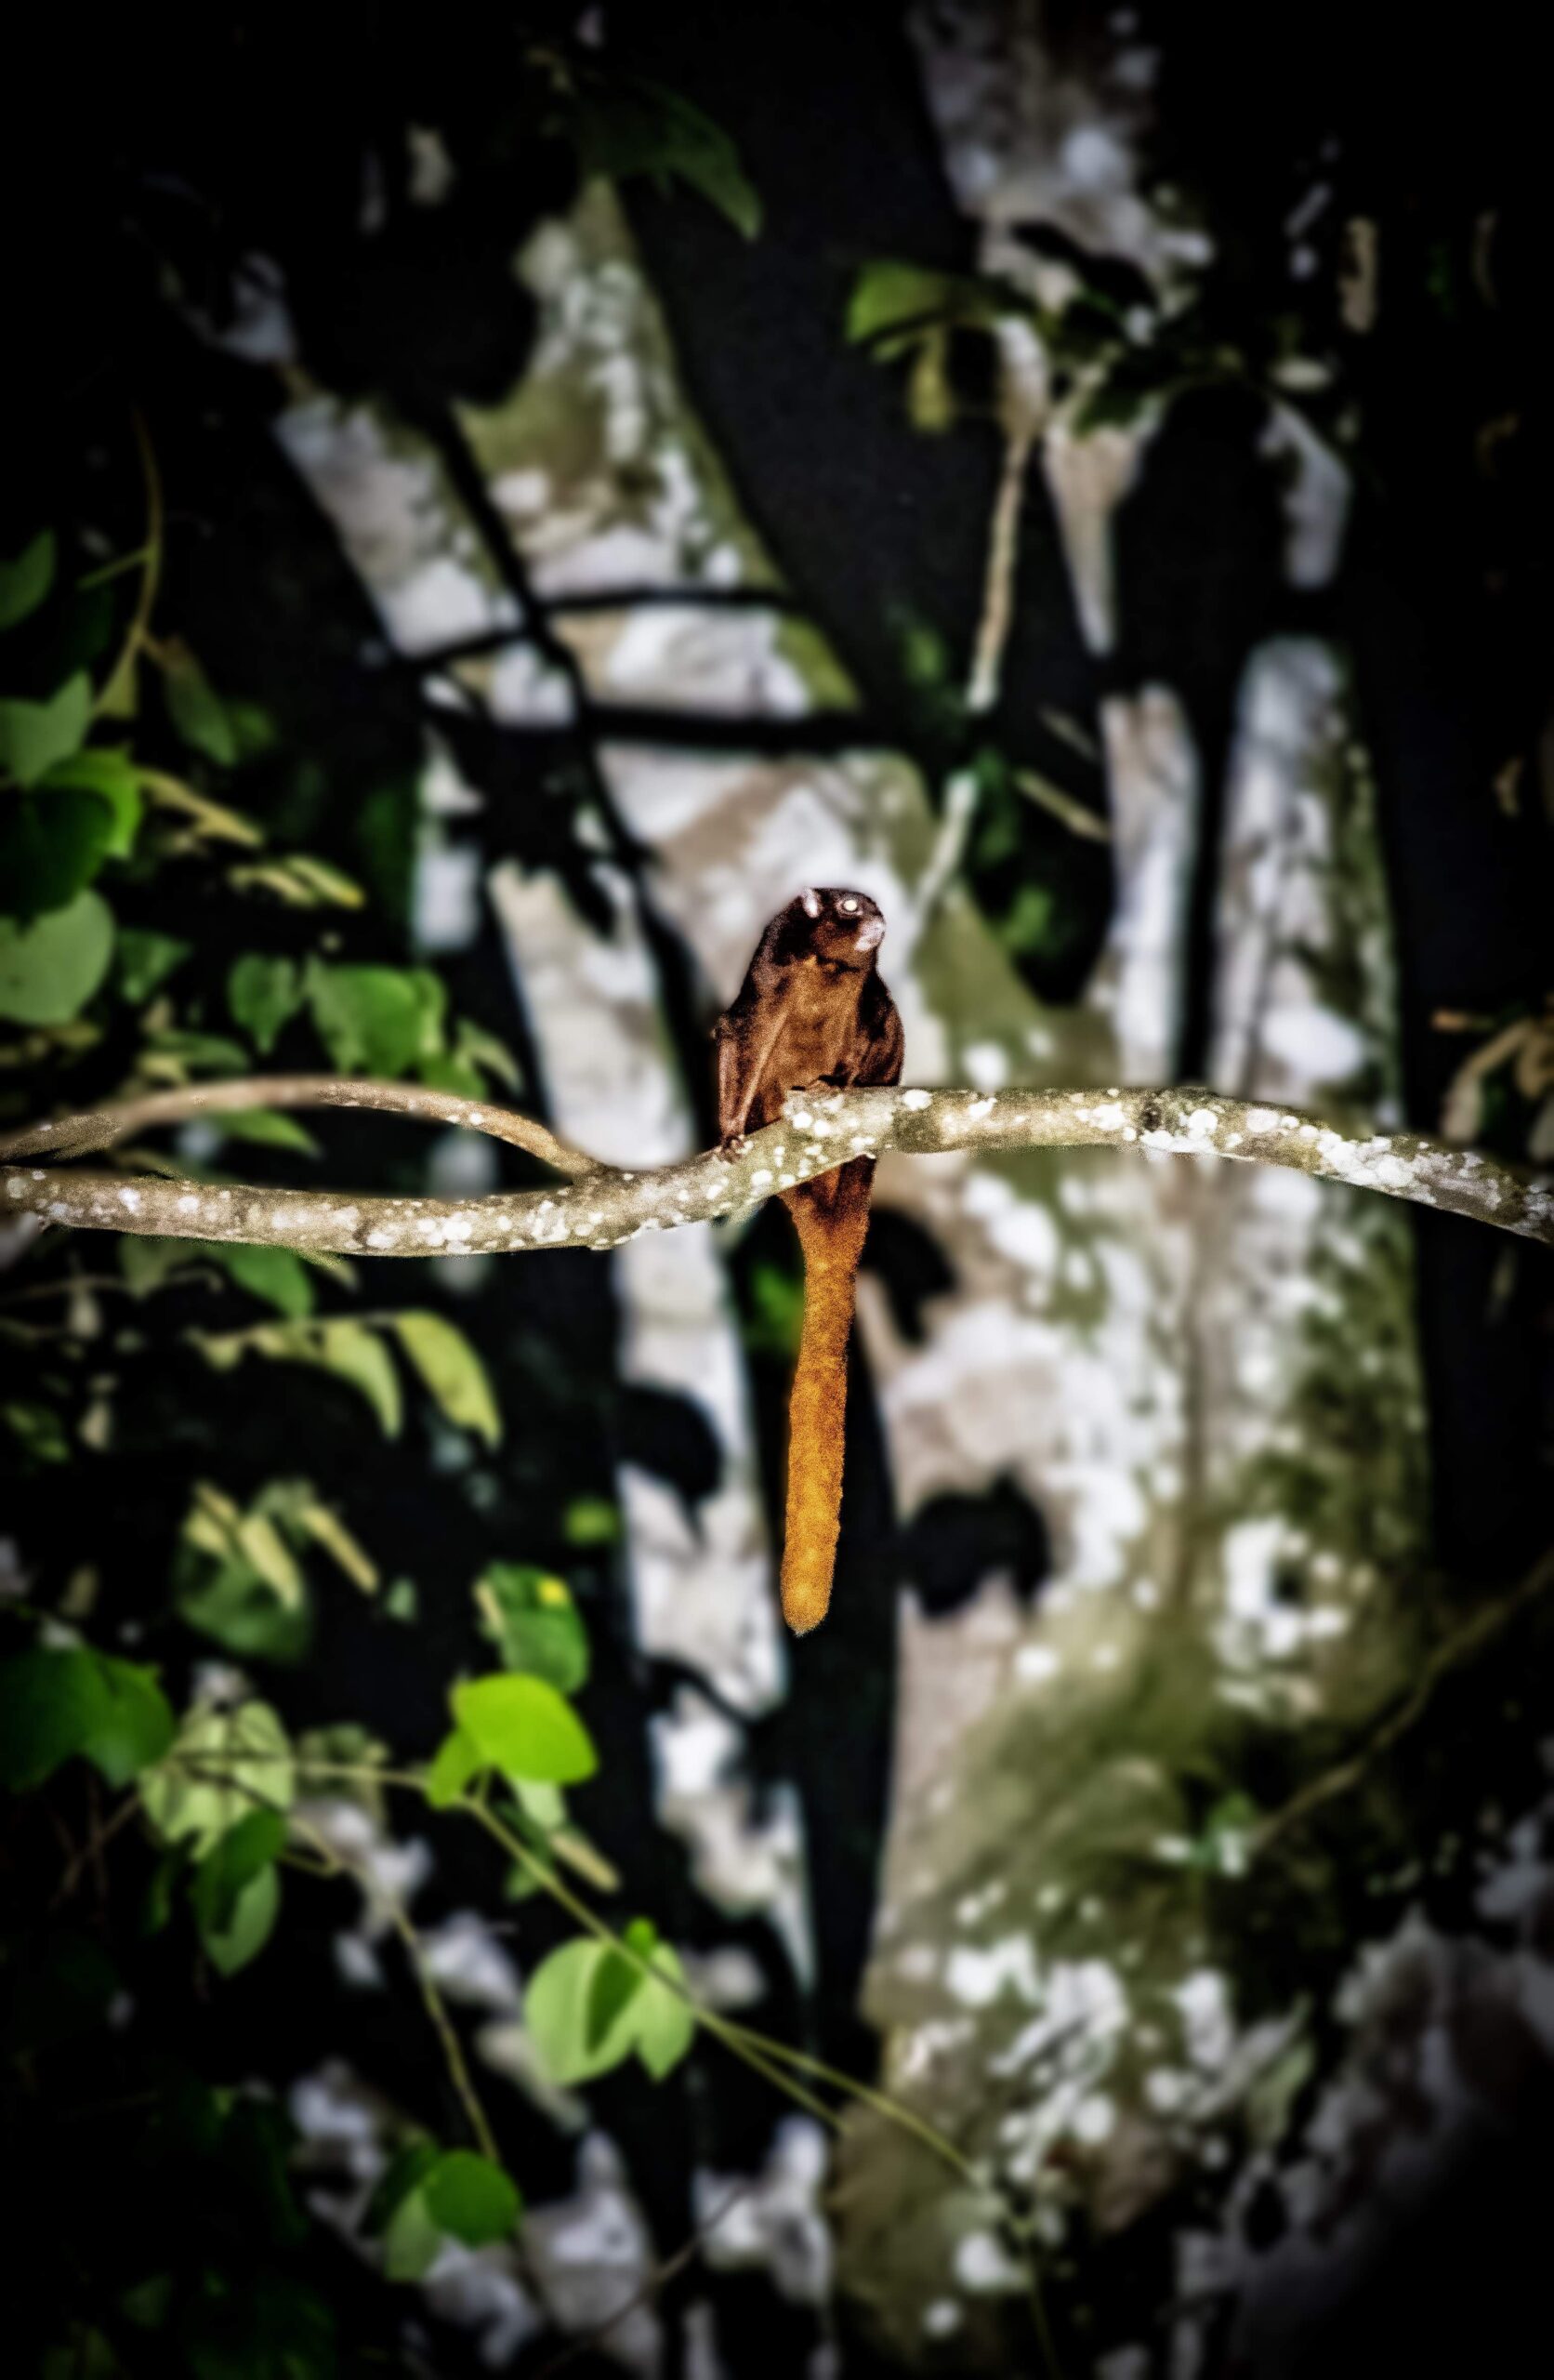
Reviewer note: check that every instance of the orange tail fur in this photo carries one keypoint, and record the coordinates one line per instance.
(831, 1233)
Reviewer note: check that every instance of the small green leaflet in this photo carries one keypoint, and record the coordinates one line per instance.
(470, 2197)
(530, 1618)
(457, 1759)
(429, 2194)
(196, 710)
(52, 845)
(276, 1276)
(25, 579)
(627, 125)
(145, 960)
(349, 1350)
(588, 2007)
(263, 995)
(35, 735)
(184, 1795)
(452, 1370)
(236, 1891)
(376, 1020)
(59, 1701)
(116, 781)
(49, 970)
(522, 1726)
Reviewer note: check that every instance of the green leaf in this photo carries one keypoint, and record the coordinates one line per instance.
(326, 1528)
(238, 1610)
(665, 2023)
(250, 1926)
(51, 847)
(457, 1759)
(49, 1701)
(588, 2008)
(376, 1020)
(230, 1867)
(406, 2170)
(277, 1276)
(267, 1553)
(307, 883)
(214, 1053)
(452, 1371)
(890, 297)
(455, 1762)
(196, 710)
(146, 1260)
(478, 1047)
(37, 1428)
(358, 1356)
(522, 1726)
(33, 735)
(268, 1128)
(530, 1618)
(56, 1702)
(185, 1797)
(396, 2212)
(148, 2305)
(556, 2006)
(591, 1520)
(49, 970)
(263, 995)
(411, 2242)
(114, 780)
(455, 1075)
(135, 1724)
(612, 1986)
(145, 960)
(543, 1805)
(25, 580)
(471, 2199)
(348, 1349)
(629, 125)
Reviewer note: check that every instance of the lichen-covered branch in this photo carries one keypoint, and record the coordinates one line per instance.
(103, 1126)
(819, 1131)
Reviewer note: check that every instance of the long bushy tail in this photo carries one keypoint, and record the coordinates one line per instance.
(831, 1234)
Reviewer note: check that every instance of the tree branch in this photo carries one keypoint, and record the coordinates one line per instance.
(606, 1205)
(80, 1135)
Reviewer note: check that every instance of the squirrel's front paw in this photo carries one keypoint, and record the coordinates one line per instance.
(735, 1146)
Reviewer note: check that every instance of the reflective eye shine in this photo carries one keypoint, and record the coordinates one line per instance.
(849, 904)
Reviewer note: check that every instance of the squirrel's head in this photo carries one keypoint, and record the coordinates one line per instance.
(838, 925)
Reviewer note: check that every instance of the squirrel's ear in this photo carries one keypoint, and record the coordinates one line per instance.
(811, 899)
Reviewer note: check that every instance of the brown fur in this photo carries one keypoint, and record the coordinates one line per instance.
(812, 1012)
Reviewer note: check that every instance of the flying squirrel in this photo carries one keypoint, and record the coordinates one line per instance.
(812, 1013)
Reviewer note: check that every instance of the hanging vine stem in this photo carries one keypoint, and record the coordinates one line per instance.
(761, 2052)
(758, 2048)
(139, 632)
(598, 1206)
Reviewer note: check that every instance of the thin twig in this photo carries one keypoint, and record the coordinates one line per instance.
(656, 2282)
(1475, 1633)
(91, 1851)
(453, 2048)
(731, 2036)
(150, 577)
(1003, 555)
(102, 1127)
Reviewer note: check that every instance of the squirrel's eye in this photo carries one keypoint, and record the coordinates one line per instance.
(849, 904)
